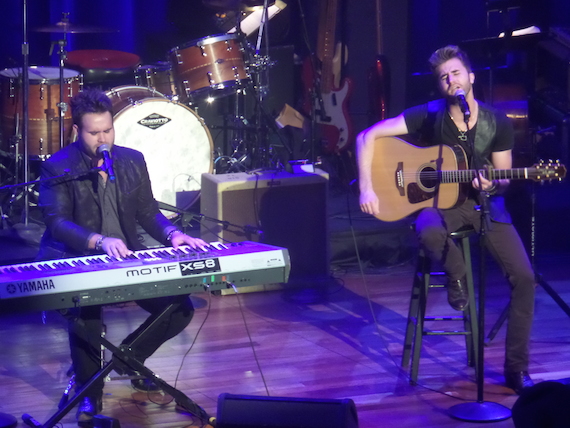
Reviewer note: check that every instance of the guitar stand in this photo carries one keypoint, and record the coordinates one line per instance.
(125, 355)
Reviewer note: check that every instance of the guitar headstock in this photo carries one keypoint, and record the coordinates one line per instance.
(551, 170)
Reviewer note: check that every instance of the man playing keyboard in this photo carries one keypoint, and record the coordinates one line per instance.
(95, 212)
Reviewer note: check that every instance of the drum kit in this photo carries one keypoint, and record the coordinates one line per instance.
(156, 115)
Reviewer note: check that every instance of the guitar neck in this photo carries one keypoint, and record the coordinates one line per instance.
(326, 45)
(467, 175)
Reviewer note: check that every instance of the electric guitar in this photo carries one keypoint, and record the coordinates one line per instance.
(327, 102)
(407, 178)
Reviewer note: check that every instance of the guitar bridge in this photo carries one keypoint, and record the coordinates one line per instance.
(399, 177)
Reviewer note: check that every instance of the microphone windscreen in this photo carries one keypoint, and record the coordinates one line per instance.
(102, 148)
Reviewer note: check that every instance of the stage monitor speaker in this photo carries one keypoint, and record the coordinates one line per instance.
(276, 208)
(245, 411)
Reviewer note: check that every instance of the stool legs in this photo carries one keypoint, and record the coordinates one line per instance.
(415, 327)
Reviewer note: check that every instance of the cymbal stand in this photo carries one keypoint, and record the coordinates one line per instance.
(25, 107)
(61, 105)
(62, 53)
(239, 155)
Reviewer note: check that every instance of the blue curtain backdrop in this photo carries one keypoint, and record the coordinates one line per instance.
(149, 28)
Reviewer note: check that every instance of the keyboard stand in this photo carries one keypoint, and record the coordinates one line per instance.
(125, 355)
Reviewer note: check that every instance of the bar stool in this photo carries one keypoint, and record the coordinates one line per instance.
(424, 280)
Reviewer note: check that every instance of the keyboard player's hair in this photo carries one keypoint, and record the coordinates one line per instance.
(89, 101)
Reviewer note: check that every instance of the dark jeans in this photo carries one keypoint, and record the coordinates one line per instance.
(503, 242)
(86, 323)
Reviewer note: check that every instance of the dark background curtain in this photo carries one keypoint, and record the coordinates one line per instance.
(411, 30)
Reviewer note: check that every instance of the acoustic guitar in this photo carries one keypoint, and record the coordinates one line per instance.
(407, 178)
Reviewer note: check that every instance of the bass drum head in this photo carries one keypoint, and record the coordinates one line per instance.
(176, 144)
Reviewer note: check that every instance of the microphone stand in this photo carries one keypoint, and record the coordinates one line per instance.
(480, 410)
(189, 217)
(66, 175)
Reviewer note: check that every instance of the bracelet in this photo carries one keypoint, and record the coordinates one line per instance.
(494, 188)
(171, 234)
(99, 243)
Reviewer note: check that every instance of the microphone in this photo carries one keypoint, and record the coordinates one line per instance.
(460, 95)
(107, 161)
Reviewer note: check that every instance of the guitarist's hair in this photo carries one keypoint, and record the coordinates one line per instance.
(445, 54)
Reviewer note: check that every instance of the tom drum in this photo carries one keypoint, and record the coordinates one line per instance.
(43, 110)
(156, 76)
(209, 67)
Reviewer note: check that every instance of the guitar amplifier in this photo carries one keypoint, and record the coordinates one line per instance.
(277, 208)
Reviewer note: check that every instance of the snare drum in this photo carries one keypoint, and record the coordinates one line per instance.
(175, 142)
(209, 67)
(43, 110)
(157, 77)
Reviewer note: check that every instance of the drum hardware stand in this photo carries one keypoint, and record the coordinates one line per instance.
(258, 67)
(25, 107)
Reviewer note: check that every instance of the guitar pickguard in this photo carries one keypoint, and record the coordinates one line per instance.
(417, 195)
(336, 129)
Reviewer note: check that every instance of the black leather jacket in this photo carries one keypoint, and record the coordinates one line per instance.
(71, 208)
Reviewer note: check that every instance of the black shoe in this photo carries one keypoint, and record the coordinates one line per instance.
(457, 295)
(145, 385)
(87, 409)
(518, 381)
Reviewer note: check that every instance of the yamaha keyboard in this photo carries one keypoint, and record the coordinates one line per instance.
(100, 279)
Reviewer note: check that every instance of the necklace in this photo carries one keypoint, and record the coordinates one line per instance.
(462, 134)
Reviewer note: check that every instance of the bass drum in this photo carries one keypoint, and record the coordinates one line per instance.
(175, 142)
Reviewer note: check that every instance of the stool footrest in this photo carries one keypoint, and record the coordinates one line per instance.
(449, 318)
(446, 333)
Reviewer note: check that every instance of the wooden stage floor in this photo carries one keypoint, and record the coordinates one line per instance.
(328, 342)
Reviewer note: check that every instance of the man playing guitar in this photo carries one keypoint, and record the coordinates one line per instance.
(486, 136)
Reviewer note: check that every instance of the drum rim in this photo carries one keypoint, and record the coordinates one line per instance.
(204, 41)
(124, 87)
(76, 75)
(161, 67)
(169, 101)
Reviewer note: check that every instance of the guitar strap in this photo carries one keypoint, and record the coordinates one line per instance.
(484, 135)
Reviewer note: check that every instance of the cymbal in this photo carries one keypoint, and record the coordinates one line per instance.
(67, 27)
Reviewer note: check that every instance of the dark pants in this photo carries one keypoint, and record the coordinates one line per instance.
(503, 242)
(86, 323)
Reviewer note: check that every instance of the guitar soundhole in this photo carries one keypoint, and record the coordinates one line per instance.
(427, 179)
